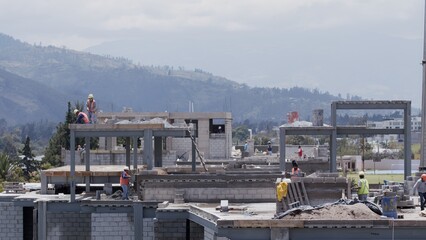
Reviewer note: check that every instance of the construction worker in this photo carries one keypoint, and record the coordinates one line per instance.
(300, 152)
(269, 148)
(81, 117)
(295, 170)
(363, 187)
(420, 187)
(124, 182)
(91, 108)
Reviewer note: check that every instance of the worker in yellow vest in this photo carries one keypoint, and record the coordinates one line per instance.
(363, 187)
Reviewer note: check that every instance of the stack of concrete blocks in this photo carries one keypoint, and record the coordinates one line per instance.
(402, 192)
(11, 221)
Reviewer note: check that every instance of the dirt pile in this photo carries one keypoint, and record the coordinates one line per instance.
(337, 212)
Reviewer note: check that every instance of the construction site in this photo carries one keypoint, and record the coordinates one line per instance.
(188, 183)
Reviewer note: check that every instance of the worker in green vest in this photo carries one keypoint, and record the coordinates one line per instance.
(363, 187)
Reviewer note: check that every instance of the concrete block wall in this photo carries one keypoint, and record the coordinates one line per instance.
(148, 229)
(182, 145)
(68, 225)
(169, 158)
(170, 229)
(209, 234)
(11, 221)
(217, 146)
(112, 226)
(211, 194)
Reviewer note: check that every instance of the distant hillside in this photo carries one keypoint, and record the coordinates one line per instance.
(23, 100)
(118, 83)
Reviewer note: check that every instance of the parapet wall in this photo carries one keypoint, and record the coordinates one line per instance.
(246, 187)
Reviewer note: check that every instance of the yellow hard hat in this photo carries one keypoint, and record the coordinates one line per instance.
(90, 96)
(76, 111)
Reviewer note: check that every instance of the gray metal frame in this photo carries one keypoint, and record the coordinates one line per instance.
(335, 130)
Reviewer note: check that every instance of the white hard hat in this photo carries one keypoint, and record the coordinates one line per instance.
(126, 168)
(90, 96)
(76, 111)
(361, 173)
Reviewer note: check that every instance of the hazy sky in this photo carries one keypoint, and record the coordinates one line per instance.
(370, 48)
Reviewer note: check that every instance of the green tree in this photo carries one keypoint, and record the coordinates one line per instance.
(28, 164)
(7, 167)
(240, 133)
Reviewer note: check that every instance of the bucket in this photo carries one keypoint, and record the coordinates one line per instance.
(389, 206)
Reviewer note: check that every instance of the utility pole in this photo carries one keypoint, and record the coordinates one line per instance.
(422, 166)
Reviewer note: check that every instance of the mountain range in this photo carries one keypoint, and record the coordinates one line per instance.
(36, 82)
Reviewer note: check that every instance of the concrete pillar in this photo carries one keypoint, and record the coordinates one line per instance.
(72, 165)
(407, 140)
(147, 149)
(282, 149)
(87, 159)
(203, 140)
(280, 234)
(228, 138)
(128, 151)
(41, 220)
(44, 183)
(138, 219)
(158, 151)
(135, 153)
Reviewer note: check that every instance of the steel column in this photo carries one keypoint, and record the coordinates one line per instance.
(422, 166)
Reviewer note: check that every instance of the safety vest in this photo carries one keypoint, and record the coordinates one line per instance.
(124, 178)
(364, 187)
(91, 106)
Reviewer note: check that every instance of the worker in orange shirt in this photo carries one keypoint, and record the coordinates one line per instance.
(124, 182)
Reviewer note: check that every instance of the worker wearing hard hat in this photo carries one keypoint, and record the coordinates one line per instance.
(363, 187)
(91, 108)
(124, 182)
(420, 187)
(81, 117)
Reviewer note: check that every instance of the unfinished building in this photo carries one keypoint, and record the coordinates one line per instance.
(218, 201)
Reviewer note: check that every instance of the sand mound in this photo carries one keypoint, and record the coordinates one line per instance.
(337, 212)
